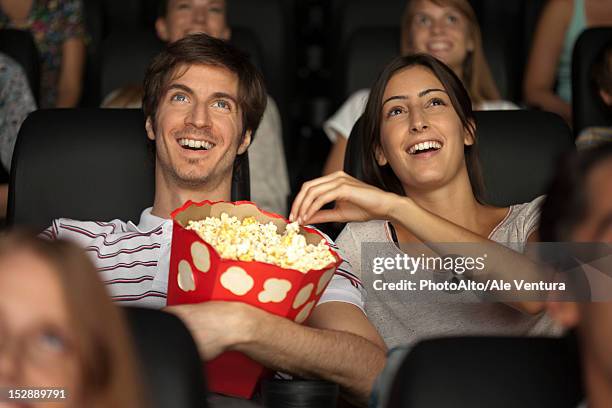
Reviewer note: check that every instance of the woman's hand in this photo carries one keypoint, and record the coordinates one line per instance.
(355, 200)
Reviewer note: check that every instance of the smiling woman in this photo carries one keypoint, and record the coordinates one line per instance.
(422, 189)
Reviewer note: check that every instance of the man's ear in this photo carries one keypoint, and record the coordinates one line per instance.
(606, 97)
(246, 141)
(469, 138)
(564, 313)
(161, 27)
(149, 128)
(381, 159)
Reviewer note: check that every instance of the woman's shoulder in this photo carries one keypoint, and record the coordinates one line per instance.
(497, 105)
(374, 230)
(520, 221)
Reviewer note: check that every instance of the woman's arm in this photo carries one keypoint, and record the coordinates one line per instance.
(541, 71)
(335, 160)
(71, 73)
(357, 201)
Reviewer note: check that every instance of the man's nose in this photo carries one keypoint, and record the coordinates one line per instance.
(199, 116)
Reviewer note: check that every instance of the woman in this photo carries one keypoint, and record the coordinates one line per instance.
(57, 28)
(446, 29)
(550, 60)
(423, 185)
(59, 329)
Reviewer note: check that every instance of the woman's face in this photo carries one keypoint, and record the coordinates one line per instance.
(442, 32)
(421, 136)
(36, 346)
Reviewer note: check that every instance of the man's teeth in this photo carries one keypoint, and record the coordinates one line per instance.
(196, 144)
(425, 146)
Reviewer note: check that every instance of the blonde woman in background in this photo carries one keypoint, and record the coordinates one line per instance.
(445, 29)
(59, 328)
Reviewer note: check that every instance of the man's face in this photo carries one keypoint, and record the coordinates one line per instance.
(186, 17)
(198, 127)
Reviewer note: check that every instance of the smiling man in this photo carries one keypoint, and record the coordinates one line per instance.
(203, 101)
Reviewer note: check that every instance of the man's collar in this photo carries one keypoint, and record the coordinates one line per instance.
(148, 222)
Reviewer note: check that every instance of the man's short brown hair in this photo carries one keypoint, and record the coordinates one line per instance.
(201, 49)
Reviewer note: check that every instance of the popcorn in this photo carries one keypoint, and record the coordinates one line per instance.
(251, 240)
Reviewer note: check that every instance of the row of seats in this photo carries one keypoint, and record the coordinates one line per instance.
(109, 174)
(462, 371)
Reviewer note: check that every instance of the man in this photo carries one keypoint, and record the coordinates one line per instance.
(579, 209)
(203, 90)
(268, 169)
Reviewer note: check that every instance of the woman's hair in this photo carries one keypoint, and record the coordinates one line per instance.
(107, 364)
(477, 76)
(566, 204)
(370, 128)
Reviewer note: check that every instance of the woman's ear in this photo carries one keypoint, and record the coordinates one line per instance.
(381, 159)
(161, 27)
(469, 138)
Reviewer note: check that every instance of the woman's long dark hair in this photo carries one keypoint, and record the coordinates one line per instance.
(383, 176)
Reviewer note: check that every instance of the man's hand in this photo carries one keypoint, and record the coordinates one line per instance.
(218, 326)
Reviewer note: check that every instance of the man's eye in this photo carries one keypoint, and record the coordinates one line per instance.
(179, 98)
(222, 104)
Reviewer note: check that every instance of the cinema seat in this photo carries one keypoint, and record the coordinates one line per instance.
(169, 359)
(518, 152)
(86, 164)
(485, 372)
(20, 46)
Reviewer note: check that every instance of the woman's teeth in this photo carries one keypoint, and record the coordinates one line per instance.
(425, 146)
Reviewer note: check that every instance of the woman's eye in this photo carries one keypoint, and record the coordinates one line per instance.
(183, 5)
(452, 19)
(422, 20)
(52, 341)
(394, 112)
(218, 10)
(437, 102)
(222, 104)
(179, 98)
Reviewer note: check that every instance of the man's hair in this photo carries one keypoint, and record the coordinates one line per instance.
(201, 49)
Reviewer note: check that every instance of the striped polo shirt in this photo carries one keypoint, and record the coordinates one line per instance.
(134, 260)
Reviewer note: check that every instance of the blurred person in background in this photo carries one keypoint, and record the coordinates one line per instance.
(16, 102)
(601, 74)
(445, 29)
(550, 60)
(59, 328)
(578, 208)
(58, 30)
(268, 168)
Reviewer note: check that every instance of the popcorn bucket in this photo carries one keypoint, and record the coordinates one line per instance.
(199, 274)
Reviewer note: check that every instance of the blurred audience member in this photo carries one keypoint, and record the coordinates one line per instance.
(550, 60)
(16, 102)
(446, 29)
(58, 30)
(59, 328)
(601, 73)
(268, 168)
(579, 208)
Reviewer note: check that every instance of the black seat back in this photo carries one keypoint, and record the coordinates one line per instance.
(87, 164)
(518, 152)
(480, 372)
(587, 108)
(169, 360)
